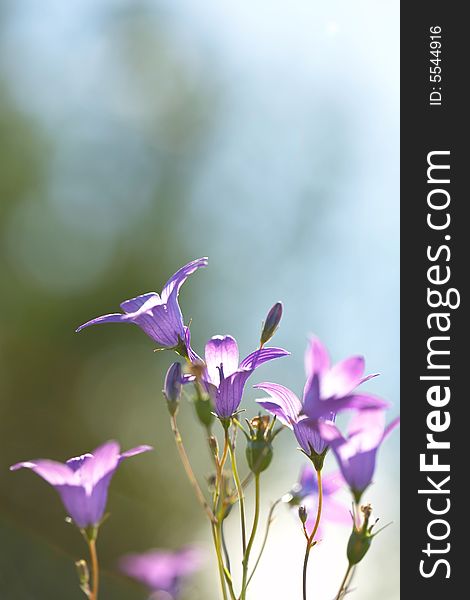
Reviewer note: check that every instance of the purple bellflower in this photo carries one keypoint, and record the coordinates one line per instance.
(288, 408)
(328, 390)
(225, 377)
(162, 570)
(159, 315)
(83, 482)
(305, 493)
(357, 453)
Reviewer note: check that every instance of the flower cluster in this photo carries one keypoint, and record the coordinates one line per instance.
(215, 385)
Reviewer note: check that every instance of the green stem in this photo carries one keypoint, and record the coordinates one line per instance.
(239, 487)
(304, 572)
(226, 572)
(189, 471)
(219, 465)
(220, 563)
(246, 558)
(217, 528)
(224, 546)
(310, 539)
(95, 571)
(343, 583)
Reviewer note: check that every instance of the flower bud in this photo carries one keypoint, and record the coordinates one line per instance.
(272, 323)
(259, 455)
(214, 445)
(172, 390)
(303, 514)
(360, 538)
(259, 450)
(358, 545)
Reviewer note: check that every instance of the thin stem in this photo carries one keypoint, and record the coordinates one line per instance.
(225, 571)
(95, 571)
(265, 539)
(220, 563)
(224, 546)
(343, 583)
(304, 571)
(217, 528)
(224, 455)
(189, 471)
(219, 465)
(246, 558)
(238, 485)
(350, 580)
(320, 506)
(310, 540)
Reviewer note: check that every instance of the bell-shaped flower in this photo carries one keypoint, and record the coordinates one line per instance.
(82, 482)
(288, 409)
(159, 315)
(162, 571)
(356, 453)
(225, 377)
(328, 390)
(331, 388)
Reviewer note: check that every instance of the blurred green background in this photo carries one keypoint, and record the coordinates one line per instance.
(135, 136)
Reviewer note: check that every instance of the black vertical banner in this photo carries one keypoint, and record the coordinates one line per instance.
(435, 239)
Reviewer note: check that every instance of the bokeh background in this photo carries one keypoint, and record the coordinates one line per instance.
(137, 135)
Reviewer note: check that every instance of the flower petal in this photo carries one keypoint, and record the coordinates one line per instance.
(160, 570)
(316, 358)
(64, 479)
(162, 324)
(135, 451)
(76, 462)
(277, 410)
(105, 460)
(312, 403)
(105, 463)
(262, 355)
(134, 304)
(337, 512)
(333, 511)
(324, 408)
(230, 393)
(192, 355)
(55, 473)
(390, 427)
(309, 438)
(343, 377)
(366, 429)
(307, 481)
(173, 285)
(332, 482)
(358, 469)
(288, 403)
(330, 433)
(111, 318)
(77, 505)
(221, 350)
(356, 455)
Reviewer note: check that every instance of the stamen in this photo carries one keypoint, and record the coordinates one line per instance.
(220, 368)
